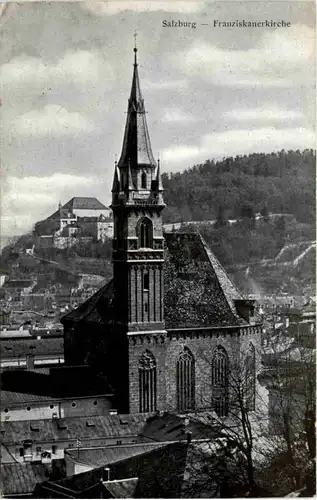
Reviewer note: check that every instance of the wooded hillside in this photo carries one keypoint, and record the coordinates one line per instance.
(282, 182)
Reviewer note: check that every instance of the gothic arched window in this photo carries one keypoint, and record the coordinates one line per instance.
(145, 233)
(220, 382)
(147, 382)
(185, 381)
(250, 377)
(143, 181)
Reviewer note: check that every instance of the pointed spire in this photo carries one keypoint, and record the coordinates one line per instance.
(136, 142)
(135, 49)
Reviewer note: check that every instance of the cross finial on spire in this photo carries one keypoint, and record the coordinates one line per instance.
(135, 49)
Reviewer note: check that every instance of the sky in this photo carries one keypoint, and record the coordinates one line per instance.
(210, 91)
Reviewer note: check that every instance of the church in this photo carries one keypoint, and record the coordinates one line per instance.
(168, 327)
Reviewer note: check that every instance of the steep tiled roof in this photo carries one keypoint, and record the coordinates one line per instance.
(96, 457)
(106, 426)
(198, 291)
(18, 479)
(62, 213)
(82, 202)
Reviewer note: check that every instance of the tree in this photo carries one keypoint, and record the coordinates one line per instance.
(222, 220)
(233, 409)
(291, 381)
(265, 213)
(259, 452)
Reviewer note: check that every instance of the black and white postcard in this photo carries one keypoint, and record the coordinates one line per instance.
(157, 280)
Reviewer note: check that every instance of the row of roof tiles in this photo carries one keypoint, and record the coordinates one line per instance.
(167, 427)
(84, 428)
(12, 348)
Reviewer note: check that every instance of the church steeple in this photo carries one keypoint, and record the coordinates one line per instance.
(138, 251)
(136, 142)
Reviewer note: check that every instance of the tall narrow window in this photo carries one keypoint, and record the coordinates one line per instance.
(220, 382)
(185, 381)
(145, 233)
(143, 181)
(250, 378)
(147, 382)
(145, 280)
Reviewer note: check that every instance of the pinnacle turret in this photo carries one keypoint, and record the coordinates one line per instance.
(158, 176)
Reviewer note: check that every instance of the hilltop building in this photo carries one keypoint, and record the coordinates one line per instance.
(81, 217)
(166, 328)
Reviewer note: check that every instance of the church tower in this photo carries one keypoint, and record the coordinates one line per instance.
(138, 247)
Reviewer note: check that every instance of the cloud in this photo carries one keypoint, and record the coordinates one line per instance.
(262, 140)
(237, 142)
(164, 85)
(110, 8)
(51, 120)
(179, 153)
(282, 58)
(79, 67)
(177, 116)
(40, 195)
(262, 114)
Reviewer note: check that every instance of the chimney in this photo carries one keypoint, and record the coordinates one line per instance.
(106, 474)
(189, 437)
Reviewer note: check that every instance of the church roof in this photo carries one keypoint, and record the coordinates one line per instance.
(136, 142)
(198, 292)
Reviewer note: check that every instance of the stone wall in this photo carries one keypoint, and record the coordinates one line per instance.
(166, 349)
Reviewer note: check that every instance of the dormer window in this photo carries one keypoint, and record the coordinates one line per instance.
(143, 181)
